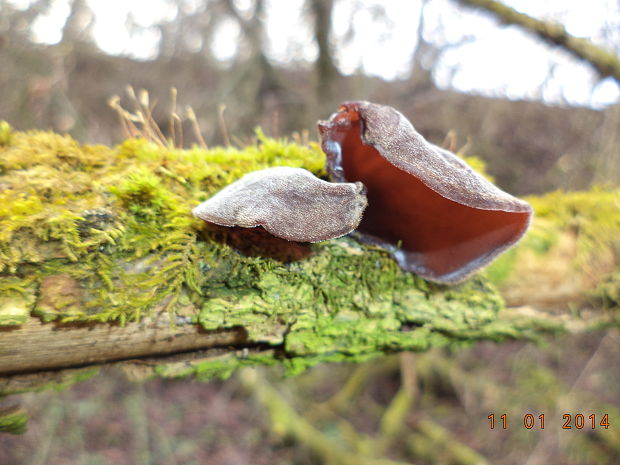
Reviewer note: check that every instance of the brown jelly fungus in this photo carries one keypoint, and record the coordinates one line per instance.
(438, 217)
(290, 203)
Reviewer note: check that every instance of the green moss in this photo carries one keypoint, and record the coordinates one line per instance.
(17, 297)
(593, 217)
(106, 234)
(116, 222)
(13, 420)
(341, 303)
(221, 367)
(143, 195)
(5, 133)
(56, 381)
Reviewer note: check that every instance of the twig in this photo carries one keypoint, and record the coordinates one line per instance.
(173, 116)
(191, 115)
(395, 415)
(286, 422)
(443, 443)
(223, 128)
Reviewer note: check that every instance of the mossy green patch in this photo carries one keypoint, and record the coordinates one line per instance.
(347, 302)
(13, 420)
(103, 234)
(56, 381)
(593, 217)
(6, 133)
(220, 367)
(115, 223)
(17, 297)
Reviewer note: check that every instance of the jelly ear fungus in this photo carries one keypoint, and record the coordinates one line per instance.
(438, 217)
(290, 203)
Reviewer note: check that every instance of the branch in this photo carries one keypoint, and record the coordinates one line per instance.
(286, 422)
(101, 261)
(605, 62)
(35, 345)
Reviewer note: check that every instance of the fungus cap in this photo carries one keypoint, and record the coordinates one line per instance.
(290, 203)
(438, 217)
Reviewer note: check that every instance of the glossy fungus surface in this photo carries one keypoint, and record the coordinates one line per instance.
(290, 203)
(440, 218)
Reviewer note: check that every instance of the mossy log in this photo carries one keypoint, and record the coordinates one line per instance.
(101, 261)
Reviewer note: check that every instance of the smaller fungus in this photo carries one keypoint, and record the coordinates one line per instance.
(438, 217)
(290, 203)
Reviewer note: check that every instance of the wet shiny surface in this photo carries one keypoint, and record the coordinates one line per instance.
(440, 239)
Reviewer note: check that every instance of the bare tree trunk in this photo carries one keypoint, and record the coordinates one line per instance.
(260, 77)
(605, 62)
(326, 70)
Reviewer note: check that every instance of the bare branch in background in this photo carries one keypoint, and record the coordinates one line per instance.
(605, 62)
(78, 26)
(260, 77)
(13, 20)
(189, 30)
(424, 59)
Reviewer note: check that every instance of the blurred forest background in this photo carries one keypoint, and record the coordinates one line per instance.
(539, 115)
(284, 65)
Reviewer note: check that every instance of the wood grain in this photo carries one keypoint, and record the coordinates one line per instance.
(46, 346)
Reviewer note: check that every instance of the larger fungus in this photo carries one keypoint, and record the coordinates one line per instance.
(440, 218)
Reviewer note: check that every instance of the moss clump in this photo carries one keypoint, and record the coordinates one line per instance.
(55, 381)
(111, 227)
(17, 297)
(5, 133)
(47, 183)
(13, 420)
(580, 230)
(106, 234)
(16, 301)
(221, 367)
(342, 303)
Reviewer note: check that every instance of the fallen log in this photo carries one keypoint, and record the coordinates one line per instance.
(101, 262)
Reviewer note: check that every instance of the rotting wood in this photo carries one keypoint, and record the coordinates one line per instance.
(97, 262)
(48, 346)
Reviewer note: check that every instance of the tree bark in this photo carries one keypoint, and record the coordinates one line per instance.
(35, 345)
(326, 70)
